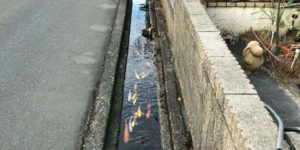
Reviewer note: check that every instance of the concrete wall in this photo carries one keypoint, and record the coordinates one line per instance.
(223, 109)
(236, 20)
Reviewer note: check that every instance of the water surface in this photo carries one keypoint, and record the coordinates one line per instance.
(140, 80)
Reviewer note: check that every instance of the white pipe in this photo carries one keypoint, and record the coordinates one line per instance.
(295, 57)
(273, 32)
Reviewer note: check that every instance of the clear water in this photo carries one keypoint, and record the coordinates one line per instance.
(140, 64)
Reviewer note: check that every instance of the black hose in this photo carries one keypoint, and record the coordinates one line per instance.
(292, 129)
(280, 127)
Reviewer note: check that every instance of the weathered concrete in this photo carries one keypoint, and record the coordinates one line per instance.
(97, 125)
(177, 126)
(223, 108)
(237, 20)
(50, 58)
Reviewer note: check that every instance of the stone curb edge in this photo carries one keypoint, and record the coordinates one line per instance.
(94, 137)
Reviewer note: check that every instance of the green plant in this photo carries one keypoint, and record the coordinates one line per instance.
(274, 14)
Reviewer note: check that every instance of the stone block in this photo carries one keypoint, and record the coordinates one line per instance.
(230, 76)
(260, 4)
(195, 8)
(221, 4)
(230, 4)
(213, 44)
(250, 4)
(203, 23)
(241, 4)
(212, 4)
(246, 115)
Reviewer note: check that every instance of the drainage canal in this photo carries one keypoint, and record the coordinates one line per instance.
(134, 118)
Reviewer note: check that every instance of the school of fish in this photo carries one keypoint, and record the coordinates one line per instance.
(132, 97)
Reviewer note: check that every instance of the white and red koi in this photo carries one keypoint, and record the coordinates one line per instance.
(148, 114)
(149, 64)
(135, 88)
(129, 96)
(126, 133)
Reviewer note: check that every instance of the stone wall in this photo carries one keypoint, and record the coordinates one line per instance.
(223, 109)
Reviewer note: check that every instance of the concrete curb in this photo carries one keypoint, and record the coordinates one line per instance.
(94, 137)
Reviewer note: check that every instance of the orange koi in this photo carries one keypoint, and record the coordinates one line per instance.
(126, 133)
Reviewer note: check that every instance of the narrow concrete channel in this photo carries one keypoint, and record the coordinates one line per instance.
(134, 117)
(147, 111)
(139, 124)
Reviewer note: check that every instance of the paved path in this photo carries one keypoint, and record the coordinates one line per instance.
(50, 54)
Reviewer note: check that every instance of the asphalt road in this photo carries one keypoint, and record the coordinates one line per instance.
(51, 52)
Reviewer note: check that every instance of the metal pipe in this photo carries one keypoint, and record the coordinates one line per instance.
(280, 127)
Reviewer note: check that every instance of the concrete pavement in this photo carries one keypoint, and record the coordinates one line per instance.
(51, 53)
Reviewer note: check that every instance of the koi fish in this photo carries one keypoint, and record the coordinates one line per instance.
(136, 75)
(130, 125)
(134, 98)
(135, 88)
(144, 75)
(126, 133)
(138, 54)
(148, 114)
(133, 121)
(149, 64)
(134, 101)
(139, 112)
(129, 96)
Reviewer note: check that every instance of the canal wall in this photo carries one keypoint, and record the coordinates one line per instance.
(223, 109)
